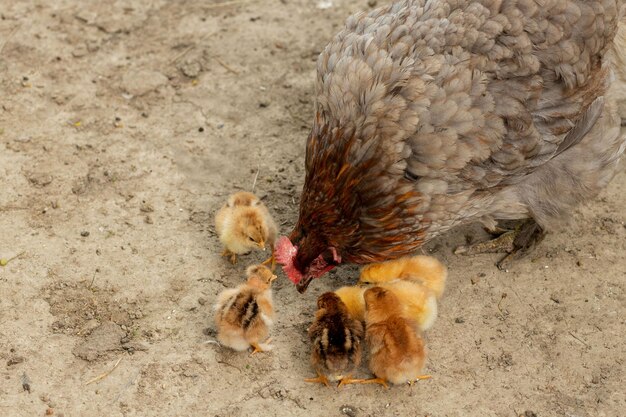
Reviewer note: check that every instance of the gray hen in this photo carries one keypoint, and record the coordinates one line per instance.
(431, 114)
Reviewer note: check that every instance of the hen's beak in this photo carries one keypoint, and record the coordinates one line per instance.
(304, 283)
(262, 245)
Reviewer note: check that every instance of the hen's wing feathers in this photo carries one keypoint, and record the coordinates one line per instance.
(495, 98)
(583, 126)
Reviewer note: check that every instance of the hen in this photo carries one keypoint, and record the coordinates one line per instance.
(432, 114)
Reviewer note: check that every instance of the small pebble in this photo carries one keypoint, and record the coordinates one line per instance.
(348, 410)
(84, 233)
(14, 360)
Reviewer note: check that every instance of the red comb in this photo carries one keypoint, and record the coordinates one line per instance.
(285, 252)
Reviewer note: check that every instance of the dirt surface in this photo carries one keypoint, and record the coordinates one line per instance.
(124, 126)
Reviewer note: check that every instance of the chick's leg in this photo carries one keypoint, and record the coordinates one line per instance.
(517, 243)
(232, 255)
(271, 260)
(321, 379)
(419, 378)
(261, 347)
(381, 381)
(349, 380)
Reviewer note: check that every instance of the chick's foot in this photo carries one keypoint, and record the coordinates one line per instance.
(261, 347)
(271, 260)
(419, 378)
(321, 379)
(517, 243)
(232, 255)
(346, 380)
(380, 381)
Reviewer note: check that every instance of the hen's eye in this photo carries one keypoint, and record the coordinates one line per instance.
(251, 240)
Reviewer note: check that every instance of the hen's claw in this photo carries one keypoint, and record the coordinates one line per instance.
(517, 243)
(502, 243)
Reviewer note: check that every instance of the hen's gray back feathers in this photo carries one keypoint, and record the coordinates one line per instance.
(490, 107)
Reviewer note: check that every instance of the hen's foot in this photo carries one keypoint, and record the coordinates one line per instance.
(517, 243)
(321, 379)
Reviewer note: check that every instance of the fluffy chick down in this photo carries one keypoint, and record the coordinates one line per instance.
(335, 339)
(426, 270)
(396, 348)
(244, 315)
(243, 224)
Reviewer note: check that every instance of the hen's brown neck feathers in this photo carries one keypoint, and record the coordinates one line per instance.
(351, 200)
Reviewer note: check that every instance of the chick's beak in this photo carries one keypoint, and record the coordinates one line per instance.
(273, 278)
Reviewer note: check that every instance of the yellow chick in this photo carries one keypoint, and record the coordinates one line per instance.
(396, 348)
(352, 297)
(244, 315)
(243, 224)
(417, 302)
(425, 269)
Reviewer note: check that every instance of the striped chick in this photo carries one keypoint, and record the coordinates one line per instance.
(336, 341)
(244, 315)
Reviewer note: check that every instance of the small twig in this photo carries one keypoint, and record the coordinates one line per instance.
(9, 208)
(228, 68)
(231, 365)
(224, 4)
(4, 262)
(182, 54)
(125, 387)
(212, 342)
(105, 374)
(504, 295)
(93, 278)
(13, 32)
(579, 339)
(191, 47)
(258, 169)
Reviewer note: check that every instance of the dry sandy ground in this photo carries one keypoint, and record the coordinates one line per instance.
(124, 125)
